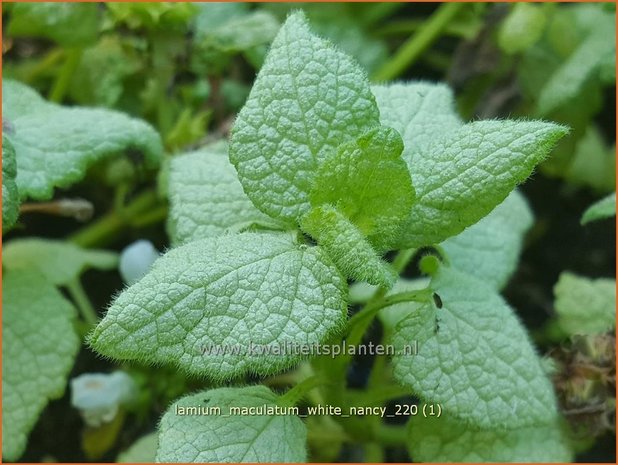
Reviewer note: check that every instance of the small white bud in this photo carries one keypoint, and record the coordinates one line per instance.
(136, 259)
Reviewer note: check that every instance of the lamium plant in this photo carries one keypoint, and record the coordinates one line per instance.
(295, 235)
(325, 175)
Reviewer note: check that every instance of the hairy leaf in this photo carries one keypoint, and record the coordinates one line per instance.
(144, 450)
(421, 112)
(205, 306)
(475, 358)
(342, 24)
(229, 436)
(55, 145)
(206, 198)
(461, 177)
(585, 306)
(489, 250)
(307, 100)
(59, 261)
(351, 38)
(347, 247)
(448, 440)
(604, 208)
(10, 195)
(369, 183)
(38, 348)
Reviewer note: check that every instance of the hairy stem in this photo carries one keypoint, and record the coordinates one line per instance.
(357, 326)
(402, 259)
(294, 395)
(359, 322)
(418, 43)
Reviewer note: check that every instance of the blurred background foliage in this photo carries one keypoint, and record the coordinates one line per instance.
(188, 68)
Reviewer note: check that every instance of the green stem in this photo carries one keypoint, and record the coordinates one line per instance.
(105, 229)
(377, 375)
(63, 79)
(120, 196)
(152, 217)
(46, 63)
(294, 395)
(82, 301)
(335, 370)
(362, 318)
(418, 43)
(402, 259)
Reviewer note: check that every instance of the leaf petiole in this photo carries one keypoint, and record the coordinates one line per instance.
(82, 301)
(371, 309)
(294, 395)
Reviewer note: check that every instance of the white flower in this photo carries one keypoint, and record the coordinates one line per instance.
(98, 395)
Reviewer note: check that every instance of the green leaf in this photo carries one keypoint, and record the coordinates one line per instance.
(369, 183)
(55, 145)
(99, 77)
(69, 24)
(593, 163)
(307, 100)
(206, 198)
(447, 440)
(583, 64)
(161, 16)
(475, 358)
(489, 250)
(585, 306)
(604, 208)
(347, 247)
(222, 295)
(213, 14)
(462, 177)
(38, 348)
(59, 262)
(239, 33)
(229, 436)
(523, 27)
(10, 194)
(421, 112)
(144, 450)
